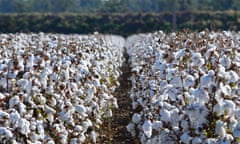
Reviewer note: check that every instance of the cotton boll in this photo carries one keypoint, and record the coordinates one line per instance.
(219, 129)
(186, 138)
(147, 128)
(136, 118)
(5, 132)
(23, 126)
(22, 108)
(225, 61)
(176, 81)
(236, 132)
(165, 115)
(232, 76)
(184, 124)
(226, 89)
(2, 96)
(14, 101)
(229, 107)
(14, 117)
(206, 80)
(197, 59)
(131, 129)
(232, 124)
(189, 81)
(81, 109)
(196, 140)
(157, 125)
(93, 136)
(221, 71)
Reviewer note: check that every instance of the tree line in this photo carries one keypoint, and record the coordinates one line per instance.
(114, 6)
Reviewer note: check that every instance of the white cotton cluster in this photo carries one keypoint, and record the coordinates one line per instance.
(185, 87)
(57, 88)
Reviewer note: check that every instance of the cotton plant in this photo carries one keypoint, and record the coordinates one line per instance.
(57, 88)
(195, 98)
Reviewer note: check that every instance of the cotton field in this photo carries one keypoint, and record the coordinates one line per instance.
(185, 87)
(57, 88)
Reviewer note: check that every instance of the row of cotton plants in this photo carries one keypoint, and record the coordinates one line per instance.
(57, 88)
(185, 87)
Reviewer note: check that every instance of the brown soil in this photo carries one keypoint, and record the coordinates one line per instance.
(116, 132)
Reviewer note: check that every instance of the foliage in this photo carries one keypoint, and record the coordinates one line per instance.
(123, 24)
(113, 6)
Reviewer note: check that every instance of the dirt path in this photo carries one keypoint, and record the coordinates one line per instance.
(116, 132)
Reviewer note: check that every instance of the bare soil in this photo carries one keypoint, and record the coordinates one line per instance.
(115, 131)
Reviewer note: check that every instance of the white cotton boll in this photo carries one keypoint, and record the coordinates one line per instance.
(5, 132)
(219, 129)
(2, 96)
(232, 76)
(206, 80)
(229, 138)
(176, 82)
(22, 108)
(136, 118)
(86, 124)
(40, 130)
(171, 73)
(236, 132)
(93, 136)
(23, 126)
(218, 108)
(78, 128)
(226, 89)
(189, 81)
(165, 115)
(14, 117)
(131, 129)
(147, 128)
(221, 71)
(3, 116)
(135, 105)
(157, 125)
(197, 140)
(229, 107)
(200, 94)
(96, 83)
(184, 124)
(225, 61)
(232, 124)
(210, 141)
(14, 101)
(197, 59)
(81, 109)
(185, 138)
(108, 113)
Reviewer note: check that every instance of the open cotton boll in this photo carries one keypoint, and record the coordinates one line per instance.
(236, 132)
(165, 115)
(225, 89)
(14, 101)
(176, 81)
(147, 128)
(225, 61)
(186, 138)
(131, 129)
(188, 81)
(197, 59)
(157, 125)
(232, 76)
(220, 129)
(23, 126)
(5, 133)
(207, 79)
(136, 118)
